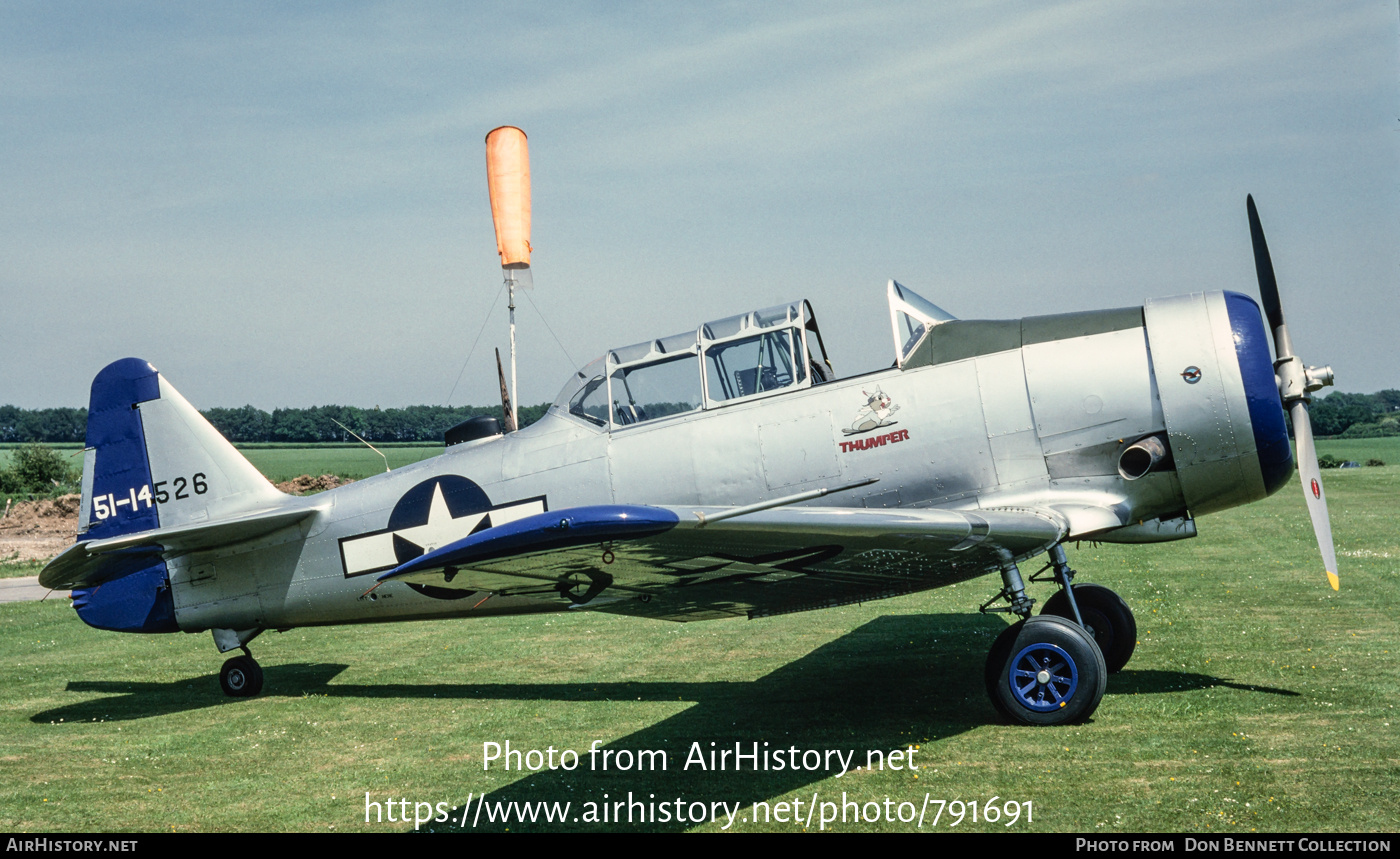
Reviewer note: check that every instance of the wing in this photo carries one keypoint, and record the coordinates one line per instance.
(682, 564)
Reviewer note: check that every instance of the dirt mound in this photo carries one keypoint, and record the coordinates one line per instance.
(38, 530)
(306, 484)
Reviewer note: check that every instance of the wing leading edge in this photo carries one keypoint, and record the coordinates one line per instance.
(681, 564)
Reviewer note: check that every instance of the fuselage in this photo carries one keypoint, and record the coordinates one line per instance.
(1032, 413)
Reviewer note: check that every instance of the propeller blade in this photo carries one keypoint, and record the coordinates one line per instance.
(1264, 268)
(505, 396)
(1311, 476)
(1295, 384)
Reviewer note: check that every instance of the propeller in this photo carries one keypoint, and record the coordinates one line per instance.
(505, 397)
(1295, 386)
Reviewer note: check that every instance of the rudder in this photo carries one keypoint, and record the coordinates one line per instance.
(153, 461)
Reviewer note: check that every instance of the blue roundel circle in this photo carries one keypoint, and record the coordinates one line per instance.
(1043, 677)
(462, 497)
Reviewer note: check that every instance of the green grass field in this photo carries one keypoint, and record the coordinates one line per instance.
(1386, 450)
(1258, 700)
(285, 463)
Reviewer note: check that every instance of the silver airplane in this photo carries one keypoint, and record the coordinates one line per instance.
(727, 472)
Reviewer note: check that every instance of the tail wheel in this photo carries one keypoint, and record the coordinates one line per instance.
(241, 677)
(1108, 618)
(1045, 671)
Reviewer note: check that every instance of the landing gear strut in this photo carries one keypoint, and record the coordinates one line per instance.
(1013, 590)
(1053, 669)
(241, 676)
(1106, 617)
(1097, 609)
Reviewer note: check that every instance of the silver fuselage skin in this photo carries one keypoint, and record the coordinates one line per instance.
(1031, 413)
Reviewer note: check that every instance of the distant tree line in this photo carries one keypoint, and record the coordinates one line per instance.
(249, 424)
(318, 423)
(1338, 414)
(47, 425)
(1357, 415)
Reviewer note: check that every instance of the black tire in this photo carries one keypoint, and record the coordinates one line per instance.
(1045, 671)
(241, 677)
(996, 662)
(1106, 615)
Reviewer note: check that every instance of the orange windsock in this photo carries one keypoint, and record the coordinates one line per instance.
(508, 178)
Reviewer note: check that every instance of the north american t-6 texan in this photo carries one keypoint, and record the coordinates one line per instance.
(729, 472)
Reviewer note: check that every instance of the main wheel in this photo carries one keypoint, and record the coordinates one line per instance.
(241, 677)
(1106, 615)
(1045, 671)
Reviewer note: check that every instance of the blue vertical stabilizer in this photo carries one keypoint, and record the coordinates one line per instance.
(136, 595)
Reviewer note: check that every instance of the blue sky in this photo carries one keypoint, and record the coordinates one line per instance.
(286, 205)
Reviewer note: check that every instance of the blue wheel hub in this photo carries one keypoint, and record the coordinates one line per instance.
(1043, 677)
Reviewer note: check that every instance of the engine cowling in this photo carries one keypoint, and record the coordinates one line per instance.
(1215, 380)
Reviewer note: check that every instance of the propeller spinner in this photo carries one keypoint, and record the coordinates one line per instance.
(1295, 385)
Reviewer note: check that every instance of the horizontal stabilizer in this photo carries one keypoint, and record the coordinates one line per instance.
(91, 562)
(75, 568)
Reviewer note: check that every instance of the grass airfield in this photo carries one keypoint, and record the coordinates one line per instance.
(1258, 701)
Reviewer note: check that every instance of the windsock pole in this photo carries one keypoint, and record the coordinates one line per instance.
(508, 180)
(514, 389)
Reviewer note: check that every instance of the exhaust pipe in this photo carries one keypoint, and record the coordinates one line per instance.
(1140, 457)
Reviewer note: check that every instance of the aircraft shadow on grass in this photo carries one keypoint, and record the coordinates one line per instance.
(920, 666)
(892, 682)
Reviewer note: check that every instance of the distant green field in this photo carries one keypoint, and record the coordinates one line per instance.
(1258, 701)
(74, 451)
(285, 463)
(1387, 450)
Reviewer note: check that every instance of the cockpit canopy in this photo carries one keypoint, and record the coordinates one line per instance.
(730, 360)
(740, 358)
